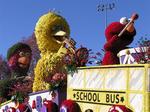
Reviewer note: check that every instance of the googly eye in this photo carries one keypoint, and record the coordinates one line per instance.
(27, 54)
(21, 54)
(124, 20)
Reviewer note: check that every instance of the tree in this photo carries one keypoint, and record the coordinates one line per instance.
(4, 70)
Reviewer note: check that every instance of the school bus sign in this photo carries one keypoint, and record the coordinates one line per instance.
(101, 88)
(99, 97)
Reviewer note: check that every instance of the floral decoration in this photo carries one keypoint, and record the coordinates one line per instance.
(143, 56)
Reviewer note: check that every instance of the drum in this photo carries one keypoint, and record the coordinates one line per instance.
(132, 55)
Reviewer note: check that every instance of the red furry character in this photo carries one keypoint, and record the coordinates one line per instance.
(50, 106)
(116, 43)
(69, 106)
(119, 108)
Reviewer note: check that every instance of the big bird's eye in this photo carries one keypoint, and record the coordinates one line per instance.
(21, 54)
(57, 28)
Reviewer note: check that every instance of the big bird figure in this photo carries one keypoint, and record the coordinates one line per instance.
(51, 31)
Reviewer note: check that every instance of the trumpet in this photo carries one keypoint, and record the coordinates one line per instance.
(70, 44)
(133, 18)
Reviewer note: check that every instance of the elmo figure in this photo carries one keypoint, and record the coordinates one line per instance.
(116, 41)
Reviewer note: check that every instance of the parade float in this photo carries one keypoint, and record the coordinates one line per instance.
(63, 83)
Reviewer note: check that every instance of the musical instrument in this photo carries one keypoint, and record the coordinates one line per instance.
(70, 44)
(133, 18)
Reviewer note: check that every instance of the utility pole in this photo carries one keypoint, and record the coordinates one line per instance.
(104, 7)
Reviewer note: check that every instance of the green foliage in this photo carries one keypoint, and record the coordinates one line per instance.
(5, 88)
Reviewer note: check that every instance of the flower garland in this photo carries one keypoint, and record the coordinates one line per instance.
(143, 56)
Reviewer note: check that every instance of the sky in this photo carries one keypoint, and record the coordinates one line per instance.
(18, 19)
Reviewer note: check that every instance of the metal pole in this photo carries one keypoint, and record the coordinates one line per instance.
(105, 17)
(105, 7)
